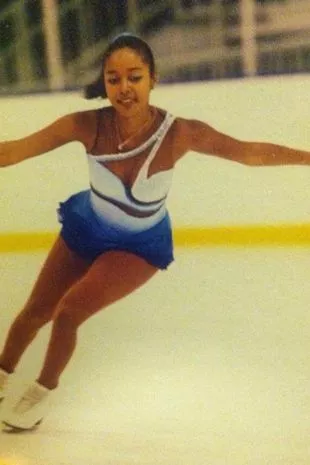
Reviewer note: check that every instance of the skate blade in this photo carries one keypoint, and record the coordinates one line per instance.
(11, 429)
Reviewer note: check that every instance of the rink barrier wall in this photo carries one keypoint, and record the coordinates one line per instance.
(247, 236)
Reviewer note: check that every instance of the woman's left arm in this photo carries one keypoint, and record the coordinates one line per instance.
(204, 139)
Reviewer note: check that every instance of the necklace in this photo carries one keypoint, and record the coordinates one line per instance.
(147, 124)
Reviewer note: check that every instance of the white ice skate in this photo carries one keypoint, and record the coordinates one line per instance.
(29, 411)
(4, 379)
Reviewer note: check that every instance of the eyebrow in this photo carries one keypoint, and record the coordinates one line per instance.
(112, 71)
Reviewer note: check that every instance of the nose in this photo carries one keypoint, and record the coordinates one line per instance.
(124, 86)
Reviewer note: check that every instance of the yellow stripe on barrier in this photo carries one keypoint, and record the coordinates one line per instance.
(264, 235)
(26, 241)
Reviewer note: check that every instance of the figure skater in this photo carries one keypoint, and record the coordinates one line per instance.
(115, 235)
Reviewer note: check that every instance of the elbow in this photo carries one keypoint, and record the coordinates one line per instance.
(247, 160)
(252, 159)
(251, 162)
(250, 154)
(244, 153)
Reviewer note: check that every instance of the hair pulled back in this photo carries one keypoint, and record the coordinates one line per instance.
(125, 40)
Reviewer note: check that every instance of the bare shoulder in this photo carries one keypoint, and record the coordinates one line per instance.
(84, 125)
(199, 136)
(181, 126)
(188, 129)
(181, 132)
(87, 124)
(67, 128)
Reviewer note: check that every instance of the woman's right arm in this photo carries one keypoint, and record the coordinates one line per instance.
(69, 128)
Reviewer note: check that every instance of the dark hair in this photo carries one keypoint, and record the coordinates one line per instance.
(125, 40)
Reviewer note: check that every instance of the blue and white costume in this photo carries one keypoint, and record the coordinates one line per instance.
(113, 216)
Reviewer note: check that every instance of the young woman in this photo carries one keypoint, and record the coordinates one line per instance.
(116, 235)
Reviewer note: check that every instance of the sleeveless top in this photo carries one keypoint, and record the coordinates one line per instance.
(131, 208)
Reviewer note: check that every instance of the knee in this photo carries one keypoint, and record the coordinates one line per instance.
(67, 315)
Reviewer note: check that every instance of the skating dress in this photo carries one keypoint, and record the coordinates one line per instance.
(111, 215)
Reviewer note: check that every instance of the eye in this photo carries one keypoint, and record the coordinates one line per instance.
(113, 80)
(135, 78)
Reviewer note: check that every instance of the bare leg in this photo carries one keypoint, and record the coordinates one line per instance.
(61, 270)
(112, 276)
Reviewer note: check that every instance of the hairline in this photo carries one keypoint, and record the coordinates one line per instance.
(138, 51)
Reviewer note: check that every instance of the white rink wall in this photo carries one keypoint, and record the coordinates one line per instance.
(206, 191)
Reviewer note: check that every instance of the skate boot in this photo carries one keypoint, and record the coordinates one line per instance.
(29, 411)
(4, 378)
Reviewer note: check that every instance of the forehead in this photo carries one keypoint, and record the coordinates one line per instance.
(124, 59)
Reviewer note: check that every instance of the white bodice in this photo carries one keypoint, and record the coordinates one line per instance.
(135, 207)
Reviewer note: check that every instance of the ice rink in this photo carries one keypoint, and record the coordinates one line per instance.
(207, 364)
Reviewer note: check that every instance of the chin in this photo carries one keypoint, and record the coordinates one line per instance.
(130, 110)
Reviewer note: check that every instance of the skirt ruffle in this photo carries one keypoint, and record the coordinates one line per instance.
(90, 236)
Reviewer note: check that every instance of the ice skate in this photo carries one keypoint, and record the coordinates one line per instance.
(4, 378)
(29, 411)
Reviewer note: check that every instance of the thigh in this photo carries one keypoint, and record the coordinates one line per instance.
(112, 277)
(62, 268)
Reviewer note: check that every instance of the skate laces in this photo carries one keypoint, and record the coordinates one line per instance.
(31, 398)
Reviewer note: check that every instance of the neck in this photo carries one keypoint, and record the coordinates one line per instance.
(129, 128)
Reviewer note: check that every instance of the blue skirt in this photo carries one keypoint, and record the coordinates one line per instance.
(89, 236)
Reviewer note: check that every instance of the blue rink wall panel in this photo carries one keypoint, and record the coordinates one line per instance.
(212, 201)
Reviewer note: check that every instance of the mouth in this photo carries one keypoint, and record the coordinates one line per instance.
(126, 102)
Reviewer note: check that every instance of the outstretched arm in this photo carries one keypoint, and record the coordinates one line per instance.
(66, 129)
(204, 139)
